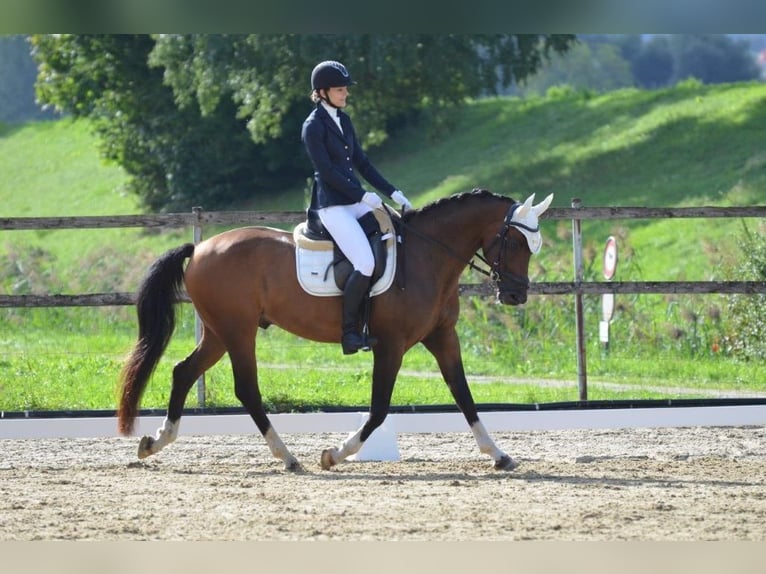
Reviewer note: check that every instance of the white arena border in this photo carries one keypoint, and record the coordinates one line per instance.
(397, 423)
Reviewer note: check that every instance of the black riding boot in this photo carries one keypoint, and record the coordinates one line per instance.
(353, 298)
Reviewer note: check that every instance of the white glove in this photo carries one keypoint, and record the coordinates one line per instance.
(399, 198)
(372, 199)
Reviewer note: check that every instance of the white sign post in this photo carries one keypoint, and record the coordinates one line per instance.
(607, 299)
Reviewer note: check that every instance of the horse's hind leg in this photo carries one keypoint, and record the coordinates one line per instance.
(445, 347)
(246, 389)
(208, 352)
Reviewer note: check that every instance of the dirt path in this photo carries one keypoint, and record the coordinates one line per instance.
(654, 484)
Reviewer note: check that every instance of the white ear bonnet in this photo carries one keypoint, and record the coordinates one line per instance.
(526, 219)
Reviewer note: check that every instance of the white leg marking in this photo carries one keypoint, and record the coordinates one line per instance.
(165, 435)
(350, 446)
(486, 444)
(279, 450)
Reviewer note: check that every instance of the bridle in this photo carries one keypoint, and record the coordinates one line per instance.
(495, 273)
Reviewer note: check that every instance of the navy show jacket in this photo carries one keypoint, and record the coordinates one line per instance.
(334, 156)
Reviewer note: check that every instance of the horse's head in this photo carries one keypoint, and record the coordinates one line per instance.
(510, 249)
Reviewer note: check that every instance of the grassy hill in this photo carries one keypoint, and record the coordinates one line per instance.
(687, 146)
(53, 168)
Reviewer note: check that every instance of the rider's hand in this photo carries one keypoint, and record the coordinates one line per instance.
(372, 199)
(399, 198)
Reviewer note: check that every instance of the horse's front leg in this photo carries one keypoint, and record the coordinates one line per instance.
(488, 446)
(445, 347)
(385, 367)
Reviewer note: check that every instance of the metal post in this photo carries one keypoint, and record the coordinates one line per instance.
(197, 230)
(582, 379)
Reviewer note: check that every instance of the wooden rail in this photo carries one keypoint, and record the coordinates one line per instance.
(484, 289)
(199, 217)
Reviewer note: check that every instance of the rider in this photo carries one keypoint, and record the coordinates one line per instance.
(337, 194)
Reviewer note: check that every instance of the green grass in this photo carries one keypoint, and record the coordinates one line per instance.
(79, 372)
(692, 145)
(78, 369)
(53, 169)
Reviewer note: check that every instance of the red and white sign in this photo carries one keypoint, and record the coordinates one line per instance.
(610, 258)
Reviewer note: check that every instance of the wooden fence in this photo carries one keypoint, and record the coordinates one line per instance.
(197, 219)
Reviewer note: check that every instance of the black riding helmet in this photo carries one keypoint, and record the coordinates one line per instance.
(330, 74)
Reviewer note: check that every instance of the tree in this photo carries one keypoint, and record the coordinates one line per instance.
(588, 66)
(17, 81)
(713, 59)
(267, 74)
(653, 65)
(176, 158)
(208, 119)
(660, 60)
(746, 338)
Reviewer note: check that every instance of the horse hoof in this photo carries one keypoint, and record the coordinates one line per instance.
(145, 447)
(294, 466)
(505, 462)
(327, 461)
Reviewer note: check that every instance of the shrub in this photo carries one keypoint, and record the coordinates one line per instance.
(747, 313)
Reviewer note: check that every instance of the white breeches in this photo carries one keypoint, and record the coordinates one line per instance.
(341, 222)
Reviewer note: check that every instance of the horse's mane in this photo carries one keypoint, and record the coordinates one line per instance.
(456, 198)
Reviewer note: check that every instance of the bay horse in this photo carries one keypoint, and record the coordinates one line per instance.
(245, 279)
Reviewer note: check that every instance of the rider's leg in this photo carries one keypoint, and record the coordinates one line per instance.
(341, 222)
(354, 296)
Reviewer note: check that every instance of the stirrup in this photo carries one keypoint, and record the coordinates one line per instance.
(353, 342)
(369, 342)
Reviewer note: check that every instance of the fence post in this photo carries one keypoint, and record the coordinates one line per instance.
(582, 378)
(197, 230)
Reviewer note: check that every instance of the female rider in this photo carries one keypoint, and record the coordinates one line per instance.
(337, 194)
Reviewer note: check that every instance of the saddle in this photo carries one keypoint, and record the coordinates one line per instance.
(322, 268)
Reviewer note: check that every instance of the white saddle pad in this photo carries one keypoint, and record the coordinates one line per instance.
(313, 261)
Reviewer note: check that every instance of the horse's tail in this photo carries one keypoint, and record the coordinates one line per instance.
(155, 299)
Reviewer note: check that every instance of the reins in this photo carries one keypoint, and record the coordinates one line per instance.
(494, 272)
(399, 222)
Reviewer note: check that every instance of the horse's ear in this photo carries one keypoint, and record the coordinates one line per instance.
(543, 205)
(525, 207)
